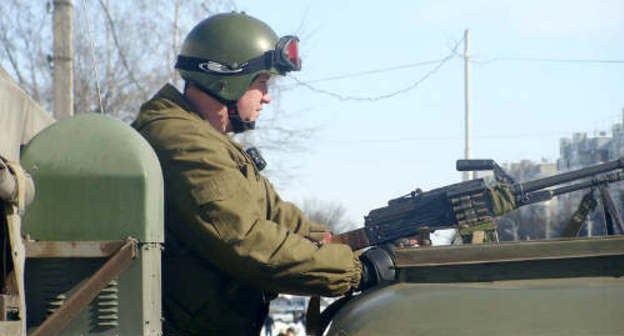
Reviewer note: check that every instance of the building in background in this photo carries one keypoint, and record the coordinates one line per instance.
(581, 150)
(547, 220)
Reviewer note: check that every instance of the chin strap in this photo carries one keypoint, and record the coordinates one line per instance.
(239, 125)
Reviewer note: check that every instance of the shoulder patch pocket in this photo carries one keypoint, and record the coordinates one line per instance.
(214, 190)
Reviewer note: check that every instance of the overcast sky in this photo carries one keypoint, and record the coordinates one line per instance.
(367, 152)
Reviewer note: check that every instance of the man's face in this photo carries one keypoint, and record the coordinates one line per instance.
(250, 103)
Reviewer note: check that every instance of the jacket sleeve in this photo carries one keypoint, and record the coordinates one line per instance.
(290, 216)
(225, 226)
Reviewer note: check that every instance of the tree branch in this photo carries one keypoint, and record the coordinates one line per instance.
(119, 50)
(7, 49)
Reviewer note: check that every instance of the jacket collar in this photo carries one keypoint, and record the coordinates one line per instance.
(175, 101)
(172, 94)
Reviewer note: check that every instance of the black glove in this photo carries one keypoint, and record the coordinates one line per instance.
(377, 268)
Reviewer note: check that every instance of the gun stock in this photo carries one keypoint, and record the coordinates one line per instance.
(357, 239)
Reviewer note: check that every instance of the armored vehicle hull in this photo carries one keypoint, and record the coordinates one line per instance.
(560, 287)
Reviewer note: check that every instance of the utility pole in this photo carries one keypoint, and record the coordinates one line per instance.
(63, 26)
(468, 175)
(175, 46)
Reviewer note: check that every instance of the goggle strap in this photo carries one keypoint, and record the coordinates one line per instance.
(204, 65)
(198, 64)
(277, 58)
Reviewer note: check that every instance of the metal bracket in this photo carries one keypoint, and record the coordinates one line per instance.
(610, 212)
(72, 249)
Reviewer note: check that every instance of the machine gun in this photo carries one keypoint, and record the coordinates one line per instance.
(469, 203)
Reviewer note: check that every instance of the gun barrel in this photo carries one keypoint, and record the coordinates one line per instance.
(545, 195)
(568, 177)
(596, 181)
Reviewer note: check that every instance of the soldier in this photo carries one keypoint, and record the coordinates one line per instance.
(231, 243)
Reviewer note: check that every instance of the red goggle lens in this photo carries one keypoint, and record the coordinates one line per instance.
(292, 52)
(287, 52)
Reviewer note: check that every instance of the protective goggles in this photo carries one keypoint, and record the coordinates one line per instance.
(284, 58)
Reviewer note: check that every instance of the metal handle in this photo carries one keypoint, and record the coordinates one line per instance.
(471, 165)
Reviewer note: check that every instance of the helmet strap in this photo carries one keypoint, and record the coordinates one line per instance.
(238, 124)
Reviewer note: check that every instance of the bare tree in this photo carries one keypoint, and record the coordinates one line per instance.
(23, 40)
(134, 55)
(135, 46)
(283, 145)
(332, 215)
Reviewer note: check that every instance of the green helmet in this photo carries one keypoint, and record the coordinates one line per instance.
(224, 53)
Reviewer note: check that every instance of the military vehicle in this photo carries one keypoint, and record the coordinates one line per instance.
(565, 286)
(84, 257)
(553, 287)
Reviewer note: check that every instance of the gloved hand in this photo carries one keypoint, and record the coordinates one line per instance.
(377, 268)
(318, 234)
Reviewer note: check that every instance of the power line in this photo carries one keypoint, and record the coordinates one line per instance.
(122, 55)
(492, 60)
(452, 138)
(93, 64)
(440, 63)
(340, 97)
(370, 72)
(546, 60)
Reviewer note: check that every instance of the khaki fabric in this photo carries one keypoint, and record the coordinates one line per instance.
(12, 211)
(231, 243)
(21, 118)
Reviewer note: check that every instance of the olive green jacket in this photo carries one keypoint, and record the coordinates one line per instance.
(231, 242)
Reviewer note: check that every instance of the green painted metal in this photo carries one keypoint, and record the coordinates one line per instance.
(590, 306)
(563, 287)
(130, 306)
(95, 179)
(567, 258)
(562, 248)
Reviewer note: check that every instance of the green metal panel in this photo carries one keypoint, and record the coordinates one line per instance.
(129, 306)
(583, 307)
(95, 179)
(562, 258)
(560, 287)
